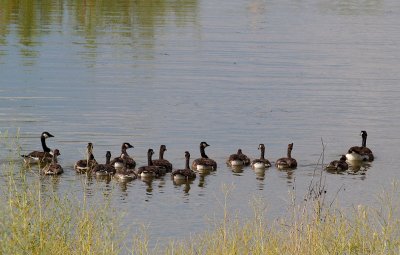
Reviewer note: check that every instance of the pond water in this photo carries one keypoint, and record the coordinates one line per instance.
(231, 73)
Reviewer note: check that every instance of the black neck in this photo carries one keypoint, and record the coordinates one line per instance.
(149, 161)
(108, 159)
(44, 146)
(364, 141)
(123, 150)
(289, 153)
(161, 155)
(262, 152)
(187, 162)
(202, 152)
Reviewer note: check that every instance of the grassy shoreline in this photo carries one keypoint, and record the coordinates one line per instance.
(36, 223)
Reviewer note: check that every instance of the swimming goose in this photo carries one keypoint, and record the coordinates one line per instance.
(184, 174)
(288, 162)
(53, 168)
(238, 159)
(204, 163)
(338, 165)
(44, 156)
(261, 162)
(118, 161)
(161, 161)
(150, 170)
(86, 165)
(360, 153)
(125, 173)
(104, 169)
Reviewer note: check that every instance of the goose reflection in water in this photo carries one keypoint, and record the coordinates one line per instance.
(183, 183)
(237, 170)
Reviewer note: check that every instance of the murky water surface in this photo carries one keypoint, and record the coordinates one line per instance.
(232, 73)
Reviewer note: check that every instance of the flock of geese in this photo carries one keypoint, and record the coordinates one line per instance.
(124, 168)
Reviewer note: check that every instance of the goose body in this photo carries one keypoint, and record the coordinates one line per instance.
(238, 159)
(260, 162)
(118, 162)
(161, 161)
(104, 169)
(288, 162)
(150, 170)
(53, 168)
(360, 153)
(186, 173)
(124, 173)
(204, 163)
(338, 165)
(86, 165)
(44, 156)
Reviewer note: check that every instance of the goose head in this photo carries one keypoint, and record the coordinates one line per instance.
(127, 145)
(46, 135)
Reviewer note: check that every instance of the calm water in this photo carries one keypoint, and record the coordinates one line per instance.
(232, 73)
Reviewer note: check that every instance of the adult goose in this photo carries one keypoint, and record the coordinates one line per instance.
(86, 165)
(125, 173)
(288, 162)
(150, 170)
(161, 161)
(360, 153)
(338, 165)
(186, 173)
(44, 156)
(260, 162)
(53, 168)
(104, 169)
(238, 159)
(118, 161)
(204, 163)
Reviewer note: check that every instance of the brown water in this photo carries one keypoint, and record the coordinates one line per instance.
(232, 73)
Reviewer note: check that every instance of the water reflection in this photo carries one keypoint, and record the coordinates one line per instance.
(237, 170)
(136, 23)
(149, 185)
(183, 183)
(353, 7)
(358, 168)
(260, 173)
(289, 174)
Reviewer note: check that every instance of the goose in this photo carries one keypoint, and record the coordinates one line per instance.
(288, 162)
(184, 174)
(104, 169)
(118, 161)
(161, 161)
(338, 165)
(86, 165)
(44, 156)
(150, 170)
(360, 153)
(261, 162)
(238, 159)
(204, 163)
(53, 168)
(125, 173)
